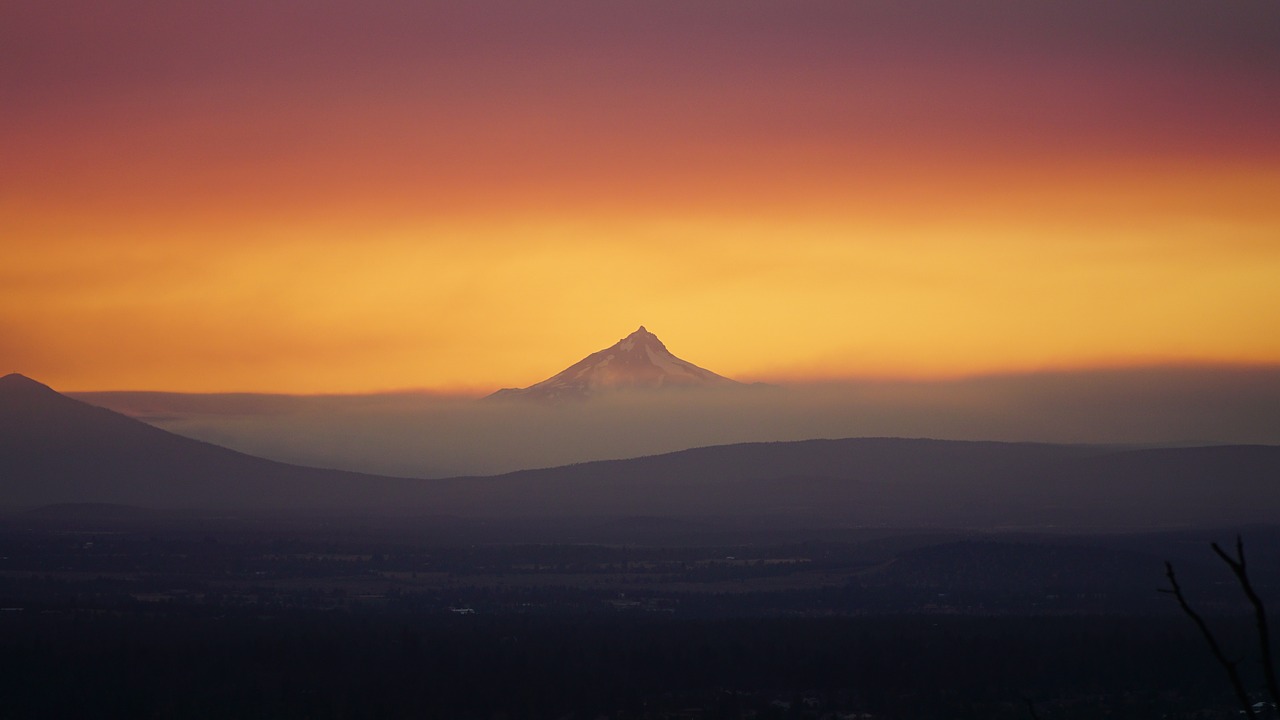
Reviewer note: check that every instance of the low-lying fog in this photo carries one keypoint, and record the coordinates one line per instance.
(425, 435)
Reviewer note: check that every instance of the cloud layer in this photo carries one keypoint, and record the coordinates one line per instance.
(433, 436)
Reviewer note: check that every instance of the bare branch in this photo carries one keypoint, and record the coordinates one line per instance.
(1238, 567)
(1230, 666)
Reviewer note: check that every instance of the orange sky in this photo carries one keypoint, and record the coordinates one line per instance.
(286, 198)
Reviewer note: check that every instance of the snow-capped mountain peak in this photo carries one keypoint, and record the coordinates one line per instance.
(638, 361)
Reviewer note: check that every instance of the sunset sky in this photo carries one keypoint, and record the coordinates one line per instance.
(311, 197)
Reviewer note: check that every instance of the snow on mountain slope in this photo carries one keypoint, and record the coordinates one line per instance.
(637, 362)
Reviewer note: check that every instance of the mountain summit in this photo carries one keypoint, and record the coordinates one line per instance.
(14, 386)
(638, 361)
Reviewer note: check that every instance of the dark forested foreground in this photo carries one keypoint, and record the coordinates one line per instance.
(280, 662)
(108, 613)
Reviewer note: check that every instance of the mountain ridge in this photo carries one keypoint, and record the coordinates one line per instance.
(68, 451)
(58, 450)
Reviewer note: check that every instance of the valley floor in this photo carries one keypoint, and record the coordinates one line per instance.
(164, 617)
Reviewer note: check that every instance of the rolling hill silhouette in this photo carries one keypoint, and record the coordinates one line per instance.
(57, 450)
(54, 449)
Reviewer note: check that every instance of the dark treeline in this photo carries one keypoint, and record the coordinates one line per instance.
(217, 663)
(144, 617)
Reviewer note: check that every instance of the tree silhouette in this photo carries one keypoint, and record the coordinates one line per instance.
(1240, 570)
